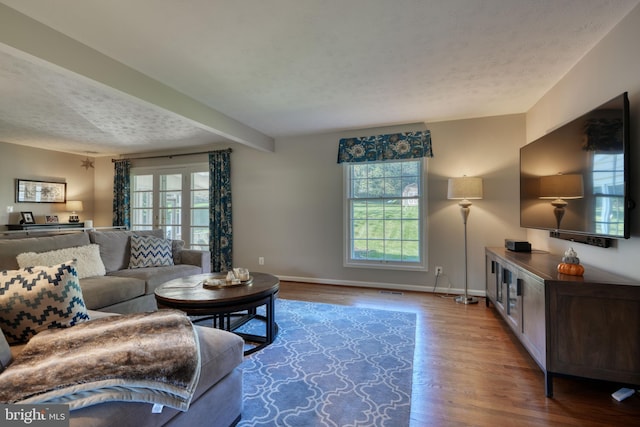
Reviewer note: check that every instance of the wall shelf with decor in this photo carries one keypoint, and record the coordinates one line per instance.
(45, 227)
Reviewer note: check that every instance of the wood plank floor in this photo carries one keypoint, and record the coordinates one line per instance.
(470, 370)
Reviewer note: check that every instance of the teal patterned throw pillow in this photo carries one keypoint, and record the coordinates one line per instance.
(37, 298)
(150, 251)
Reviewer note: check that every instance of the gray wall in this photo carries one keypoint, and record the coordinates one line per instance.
(288, 206)
(610, 68)
(43, 165)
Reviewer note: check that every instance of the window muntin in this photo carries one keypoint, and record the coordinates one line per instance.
(177, 201)
(608, 191)
(199, 210)
(142, 202)
(384, 214)
(170, 209)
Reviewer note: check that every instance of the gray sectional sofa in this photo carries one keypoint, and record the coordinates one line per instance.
(218, 396)
(121, 289)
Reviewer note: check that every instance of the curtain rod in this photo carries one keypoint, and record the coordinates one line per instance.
(169, 156)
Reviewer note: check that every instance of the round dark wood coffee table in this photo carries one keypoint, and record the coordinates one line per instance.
(230, 307)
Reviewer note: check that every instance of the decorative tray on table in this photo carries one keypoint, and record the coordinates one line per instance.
(223, 281)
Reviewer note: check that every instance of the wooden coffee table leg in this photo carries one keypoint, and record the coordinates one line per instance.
(228, 326)
(271, 327)
(270, 321)
(222, 321)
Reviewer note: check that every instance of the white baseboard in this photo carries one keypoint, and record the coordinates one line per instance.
(374, 285)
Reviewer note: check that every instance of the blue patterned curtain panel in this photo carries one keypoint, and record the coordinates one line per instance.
(394, 146)
(220, 226)
(121, 187)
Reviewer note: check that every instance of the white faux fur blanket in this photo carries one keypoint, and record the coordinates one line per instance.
(146, 357)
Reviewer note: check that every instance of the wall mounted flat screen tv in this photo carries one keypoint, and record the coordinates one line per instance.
(575, 179)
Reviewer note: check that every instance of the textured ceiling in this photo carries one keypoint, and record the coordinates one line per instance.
(48, 109)
(290, 67)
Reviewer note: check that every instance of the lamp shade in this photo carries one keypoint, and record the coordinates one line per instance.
(561, 187)
(74, 206)
(465, 188)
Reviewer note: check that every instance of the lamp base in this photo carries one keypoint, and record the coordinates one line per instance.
(74, 218)
(465, 300)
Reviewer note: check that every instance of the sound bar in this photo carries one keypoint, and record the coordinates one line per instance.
(602, 242)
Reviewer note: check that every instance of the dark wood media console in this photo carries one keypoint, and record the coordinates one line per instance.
(586, 326)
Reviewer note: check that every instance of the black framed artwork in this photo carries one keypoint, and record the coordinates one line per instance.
(29, 191)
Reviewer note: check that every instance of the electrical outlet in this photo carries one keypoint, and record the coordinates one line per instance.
(261, 260)
(439, 270)
(9, 209)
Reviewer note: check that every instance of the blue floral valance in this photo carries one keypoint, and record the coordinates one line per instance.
(393, 146)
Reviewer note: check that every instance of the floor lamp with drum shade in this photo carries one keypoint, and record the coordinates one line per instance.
(465, 189)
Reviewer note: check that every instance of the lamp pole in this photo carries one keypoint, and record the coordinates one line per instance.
(466, 299)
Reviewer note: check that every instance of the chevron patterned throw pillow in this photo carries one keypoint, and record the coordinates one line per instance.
(37, 298)
(150, 251)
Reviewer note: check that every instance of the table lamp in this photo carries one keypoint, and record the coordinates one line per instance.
(74, 206)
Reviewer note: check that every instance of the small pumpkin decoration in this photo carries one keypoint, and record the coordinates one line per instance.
(570, 269)
(571, 264)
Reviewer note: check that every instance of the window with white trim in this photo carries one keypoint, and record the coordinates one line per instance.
(384, 214)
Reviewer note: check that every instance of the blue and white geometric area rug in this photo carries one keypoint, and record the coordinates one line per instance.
(332, 365)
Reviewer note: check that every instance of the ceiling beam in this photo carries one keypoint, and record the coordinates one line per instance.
(31, 37)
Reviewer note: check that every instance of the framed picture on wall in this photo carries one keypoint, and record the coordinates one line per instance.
(27, 218)
(51, 219)
(29, 191)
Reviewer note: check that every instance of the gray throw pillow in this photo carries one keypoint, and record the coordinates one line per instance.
(176, 247)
